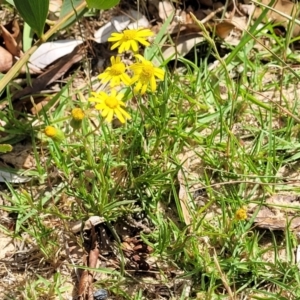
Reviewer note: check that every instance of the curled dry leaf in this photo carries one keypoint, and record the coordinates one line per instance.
(88, 224)
(6, 60)
(223, 29)
(10, 43)
(184, 44)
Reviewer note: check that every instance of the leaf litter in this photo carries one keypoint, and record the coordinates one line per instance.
(277, 213)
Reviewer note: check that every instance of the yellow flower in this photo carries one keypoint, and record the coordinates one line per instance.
(145, 73)
(241, 214)
(77, 117)
(54, 133)
(130, 39)
(116, 73)
(110, 105)
(77, 114)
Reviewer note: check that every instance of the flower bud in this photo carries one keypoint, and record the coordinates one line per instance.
(54, 133)
(77, 117)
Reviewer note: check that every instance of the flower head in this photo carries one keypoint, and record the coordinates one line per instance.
(77, 117)
(241, 214)
(116, 73)
(54, 133)
(77, 114)
(110, 105)
(129, 39)
(145, 73)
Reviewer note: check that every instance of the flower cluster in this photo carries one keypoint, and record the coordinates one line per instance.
(143, 72)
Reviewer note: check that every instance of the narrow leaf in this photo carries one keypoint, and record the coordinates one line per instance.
(34, 13)
(67, 7)
(102, 4)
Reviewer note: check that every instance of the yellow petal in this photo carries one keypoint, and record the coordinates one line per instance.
(138, 86)
(159, 73)
(105, 111)
(126, 79)
(122, 47)
(115, 37)
(114, 81)
(134, 46)
(144, 89)
(114, 46)
(112, 60)
(119, 116)
(152, 84)
(110, 115)
(124, 113)
(143, 42)
(140, 57)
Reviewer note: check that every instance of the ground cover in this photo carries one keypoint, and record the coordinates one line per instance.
(190, 190)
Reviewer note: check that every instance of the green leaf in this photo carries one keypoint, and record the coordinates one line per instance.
(11, 2)
(67, 7)
(27, 37)
(102, 4)
(34, 13)
(5, 148)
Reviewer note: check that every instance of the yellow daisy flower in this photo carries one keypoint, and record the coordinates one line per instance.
(130, 38)
(145, 73)
(110, 105)
(116, 73)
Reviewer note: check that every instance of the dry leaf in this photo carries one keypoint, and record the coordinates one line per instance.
(165, 9)
(279, 212)
(223, 29)
(6, 176)
(14, 28)
(6, 60)
(56, 71)
(49, 52)
(88, 224)
(183, 198)
(280, 6)
(10, 43)
(184, 44)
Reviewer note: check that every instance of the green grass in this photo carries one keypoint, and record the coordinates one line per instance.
(237, 140)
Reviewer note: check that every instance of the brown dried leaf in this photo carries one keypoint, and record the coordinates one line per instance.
(10, 43)
(223, 29)
(280, 6)
(15, 31)
(165, 9)
(279, 213)
(84, 289)
(184, 44)
(183, 197)
(55, 72)
(6, 60)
